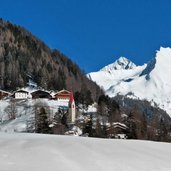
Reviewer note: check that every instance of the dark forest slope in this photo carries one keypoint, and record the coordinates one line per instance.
(23, 55)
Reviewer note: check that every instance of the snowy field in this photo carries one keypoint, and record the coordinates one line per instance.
(34, 152)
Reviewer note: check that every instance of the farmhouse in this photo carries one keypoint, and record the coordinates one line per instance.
(117, 130)
(40, 94)
(4, 94)
(21, 94)
(62, 95)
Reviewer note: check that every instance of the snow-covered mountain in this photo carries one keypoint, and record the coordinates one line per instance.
(121, 63)
(151, 81)
(113, 74)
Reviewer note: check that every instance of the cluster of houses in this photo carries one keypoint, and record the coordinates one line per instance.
(62, 97)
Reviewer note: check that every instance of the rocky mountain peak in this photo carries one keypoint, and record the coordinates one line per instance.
(121, 64)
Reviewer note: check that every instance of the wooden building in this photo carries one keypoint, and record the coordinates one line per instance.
(40, 94)
(117, 130)
(63, 95)
(4, 94)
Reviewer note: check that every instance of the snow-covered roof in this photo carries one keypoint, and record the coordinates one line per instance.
(117, 125)
(21, 91)
(63, 91)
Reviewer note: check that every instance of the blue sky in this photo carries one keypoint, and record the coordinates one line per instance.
(94, 33)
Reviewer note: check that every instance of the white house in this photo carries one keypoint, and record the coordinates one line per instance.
(21, 94)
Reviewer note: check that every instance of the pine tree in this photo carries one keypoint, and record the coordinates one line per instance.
(144, 126)
(41, 124)
(132, 126)
(64, 120)
(162, 130)
(98, 128)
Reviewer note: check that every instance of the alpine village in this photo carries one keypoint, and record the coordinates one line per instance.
(43, 91)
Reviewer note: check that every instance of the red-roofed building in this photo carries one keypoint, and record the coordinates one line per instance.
(4, 94)
(62, 95)
(68, 97)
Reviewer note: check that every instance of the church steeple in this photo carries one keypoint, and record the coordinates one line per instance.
(72, 111)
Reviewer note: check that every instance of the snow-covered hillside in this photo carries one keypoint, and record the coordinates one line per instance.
(151, 81)
(26, 152)
(25, 113)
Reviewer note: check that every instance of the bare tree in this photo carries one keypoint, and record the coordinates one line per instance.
(11, 110)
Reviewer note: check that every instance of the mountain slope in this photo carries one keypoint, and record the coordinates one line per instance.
(151, 81)
(48, 152)
(22, 56)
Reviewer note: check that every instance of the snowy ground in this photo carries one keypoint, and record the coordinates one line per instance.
(25, 113)
(34, 152)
